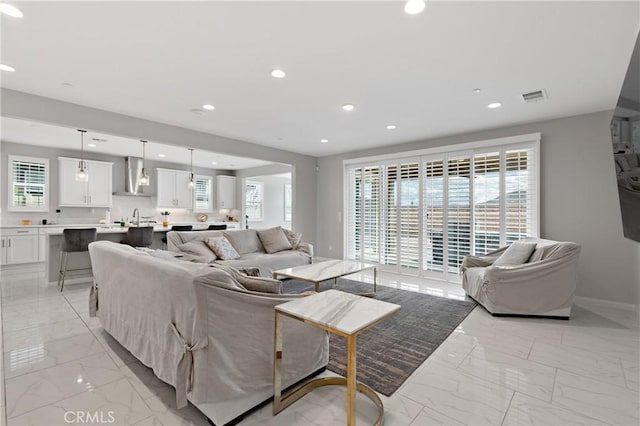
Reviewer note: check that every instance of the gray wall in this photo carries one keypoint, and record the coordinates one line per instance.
(31, 107)
(579, 199)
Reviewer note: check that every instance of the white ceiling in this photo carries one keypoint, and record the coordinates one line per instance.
(50, 136)
(159, 60)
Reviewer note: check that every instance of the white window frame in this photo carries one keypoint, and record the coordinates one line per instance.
(10, 182)
(531, 140)
(209, 208)
(288, 201)
(261, 186)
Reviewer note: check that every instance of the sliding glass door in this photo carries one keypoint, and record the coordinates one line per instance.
(423, 215)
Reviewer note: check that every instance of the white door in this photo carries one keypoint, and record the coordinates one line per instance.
(22, 249)
(166, 188)
(184, 193)
(100, 184)
(72, 192)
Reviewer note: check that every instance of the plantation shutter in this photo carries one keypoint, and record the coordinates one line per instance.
(520, 195)
(409, 212)
(371, 180)
(486, 202)
(433, 220)
(29, 183)
(458, 211)
(202, 195)
(425, 213)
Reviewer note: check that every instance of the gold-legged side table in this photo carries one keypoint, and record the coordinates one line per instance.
(337, 312)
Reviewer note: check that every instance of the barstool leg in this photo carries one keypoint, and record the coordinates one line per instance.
(64, 257)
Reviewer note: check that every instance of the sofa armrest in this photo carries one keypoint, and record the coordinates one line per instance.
(306, 247)
(481, 261)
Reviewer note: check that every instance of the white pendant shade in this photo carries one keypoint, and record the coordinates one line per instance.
(82, 174)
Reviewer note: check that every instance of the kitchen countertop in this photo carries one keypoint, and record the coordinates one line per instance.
(56, 229)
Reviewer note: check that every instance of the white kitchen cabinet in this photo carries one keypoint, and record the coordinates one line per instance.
(96, 192)
(19, 245)
(226, 186)
(173, 189)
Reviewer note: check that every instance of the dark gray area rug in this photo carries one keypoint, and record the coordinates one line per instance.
(389, 352)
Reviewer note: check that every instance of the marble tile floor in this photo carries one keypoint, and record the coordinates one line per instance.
(490, 371)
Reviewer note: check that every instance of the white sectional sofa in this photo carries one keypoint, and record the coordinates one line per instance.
(248, 244)
(180, 317)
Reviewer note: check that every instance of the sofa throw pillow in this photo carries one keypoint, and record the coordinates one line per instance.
(200, 249)
(222, 248)
(260, 284)
(274, 240)
(516, 254)
(250, 272)
(293, 237)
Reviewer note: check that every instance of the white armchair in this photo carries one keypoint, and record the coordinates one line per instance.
(542, 287)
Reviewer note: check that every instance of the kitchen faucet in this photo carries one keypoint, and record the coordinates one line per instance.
(136, 218)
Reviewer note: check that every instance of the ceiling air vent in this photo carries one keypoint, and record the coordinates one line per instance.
(538, 95)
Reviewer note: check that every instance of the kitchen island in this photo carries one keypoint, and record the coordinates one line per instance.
(113, 233)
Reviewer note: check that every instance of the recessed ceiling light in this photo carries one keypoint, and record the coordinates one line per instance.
(208, 107)
(413, 7)
(213, 162)
(278, 73)
(91, 145)
(476, 90)
(161, 155)
(348, 107)
(494, 105)
(324, 140)
(9, 68)
(391, 126)
(9, 10)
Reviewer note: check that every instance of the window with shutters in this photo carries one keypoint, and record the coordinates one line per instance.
(254, 201)
(425, 213)
(202, 199)
(28, 184)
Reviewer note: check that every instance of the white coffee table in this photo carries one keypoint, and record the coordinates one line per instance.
(327, 270)
(340, 313)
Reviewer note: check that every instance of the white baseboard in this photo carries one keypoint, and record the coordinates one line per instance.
(23, 268)
(589, 301)
(72, 281)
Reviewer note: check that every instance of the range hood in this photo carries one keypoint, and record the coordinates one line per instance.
(132, 170)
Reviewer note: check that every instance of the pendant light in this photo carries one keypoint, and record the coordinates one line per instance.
(144, 176)
(82, 174)
(192, 181)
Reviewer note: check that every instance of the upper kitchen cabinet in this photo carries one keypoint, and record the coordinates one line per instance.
(96, 192)
(226, 186)
(173, 189)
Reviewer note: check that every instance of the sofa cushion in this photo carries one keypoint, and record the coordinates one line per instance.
(537, 255)
(260, 284)
(517, 254)
(245, 241)
(222, 248)
(274, 240)
(267, 263)
(293, 237)
(200, 249)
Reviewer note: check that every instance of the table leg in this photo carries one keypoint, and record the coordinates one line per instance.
(351, 380)
(277, 365)
(375, 278)
(317, 285)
